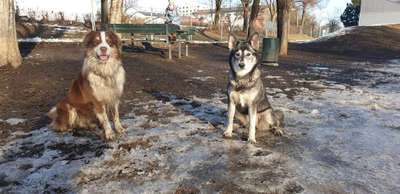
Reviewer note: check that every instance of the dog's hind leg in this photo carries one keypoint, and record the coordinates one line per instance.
(271, 120)
(275, 120)
(101, 115)
(117, 123)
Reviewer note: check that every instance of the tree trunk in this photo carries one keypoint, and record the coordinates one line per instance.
(9, 51)
(272, 10)
(245, 5)
(283, 25)
(255, 8)
(104, 14)
(217, 13)
(303, 18)
(116, 12)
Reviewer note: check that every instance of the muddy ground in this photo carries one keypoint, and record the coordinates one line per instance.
(342, 134)
(49, 69)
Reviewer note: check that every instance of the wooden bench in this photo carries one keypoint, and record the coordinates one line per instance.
(159, 30)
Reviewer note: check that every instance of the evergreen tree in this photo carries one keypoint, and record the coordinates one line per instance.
(351, 15)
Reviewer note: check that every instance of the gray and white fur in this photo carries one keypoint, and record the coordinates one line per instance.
(247, 99)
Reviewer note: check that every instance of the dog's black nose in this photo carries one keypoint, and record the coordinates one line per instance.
(241, 65)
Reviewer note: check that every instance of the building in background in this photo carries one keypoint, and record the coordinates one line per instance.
(189, 9)
(380, 12)
(135, 16)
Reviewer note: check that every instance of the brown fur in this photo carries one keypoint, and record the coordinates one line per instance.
(97, 89)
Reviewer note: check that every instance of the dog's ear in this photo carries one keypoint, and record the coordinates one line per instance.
(231, 42)
(254, 41)
(88, 40)
(114, 39)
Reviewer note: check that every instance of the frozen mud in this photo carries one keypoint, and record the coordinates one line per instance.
(342, 138)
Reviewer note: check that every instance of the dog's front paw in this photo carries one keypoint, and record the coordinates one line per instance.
(228, 133)
(109, 135)
(252, 140)
(120, 129)
(277, 131)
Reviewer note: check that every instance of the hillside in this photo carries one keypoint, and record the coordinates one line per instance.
(376, 42)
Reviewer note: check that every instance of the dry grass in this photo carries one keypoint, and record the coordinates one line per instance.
(394, 26)
(299, 37)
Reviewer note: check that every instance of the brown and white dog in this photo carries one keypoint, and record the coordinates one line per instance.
(97, 90)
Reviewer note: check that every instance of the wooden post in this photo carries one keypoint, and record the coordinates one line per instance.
(169, 52)
(104, 15)
(187, 49)
(168, 42)
(132, 40)
(179, 50)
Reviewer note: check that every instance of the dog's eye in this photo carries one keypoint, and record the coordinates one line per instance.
(248, 54)
(237, 54)
(97, 41)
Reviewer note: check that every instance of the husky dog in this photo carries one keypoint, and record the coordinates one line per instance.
(97, 90)
(247, 99)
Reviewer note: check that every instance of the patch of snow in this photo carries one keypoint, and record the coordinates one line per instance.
(203, 79)
(332, 35)
(315, 112)
(273, 77)
(347, 136)
(50, 40)
(14, 121)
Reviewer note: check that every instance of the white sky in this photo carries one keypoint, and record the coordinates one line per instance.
(327, 10)
(330, 9)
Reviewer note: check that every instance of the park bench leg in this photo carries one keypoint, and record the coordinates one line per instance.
(179, 50)
(187, 50)
(169, 52)
(132, 40)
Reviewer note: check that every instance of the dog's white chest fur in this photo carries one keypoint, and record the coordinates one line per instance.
(243, 98)
(105, 80)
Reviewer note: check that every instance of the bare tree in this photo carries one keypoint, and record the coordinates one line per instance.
(45, 17)
(283, 24)
(356, 2)
(104, 14)
(9, 50)
(218, 4)
(305, 5)
(116, 11)
(245, 5)
(61, 18)
(128, 4)
(333, 25)
(255, 8)
(271, 5)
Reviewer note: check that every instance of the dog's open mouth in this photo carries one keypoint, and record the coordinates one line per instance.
(103, 57)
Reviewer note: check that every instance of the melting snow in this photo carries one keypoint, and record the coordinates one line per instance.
(341, 139)
(329, 36)
(14, 121)
(203, 79)
(39, 40)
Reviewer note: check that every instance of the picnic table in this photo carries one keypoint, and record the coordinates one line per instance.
(162, 31)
